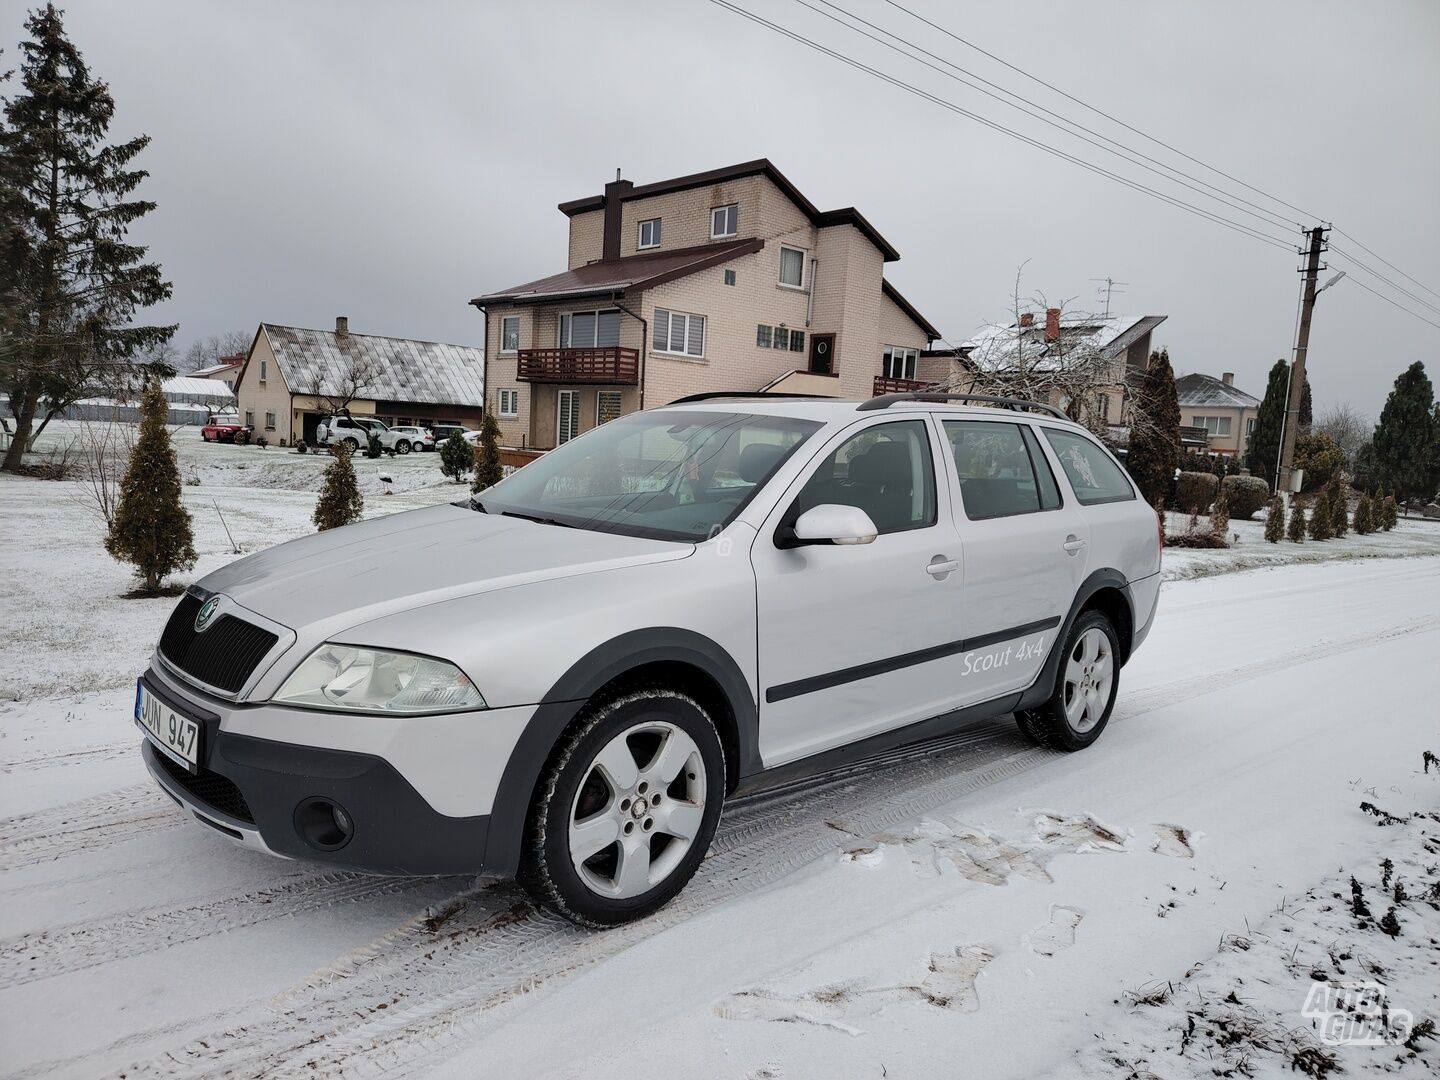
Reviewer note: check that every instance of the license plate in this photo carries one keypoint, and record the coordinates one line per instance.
(176, 735)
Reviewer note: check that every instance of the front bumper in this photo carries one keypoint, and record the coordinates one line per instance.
(258, 792)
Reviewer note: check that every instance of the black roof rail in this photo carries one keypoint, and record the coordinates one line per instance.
(884, 401)
(715, 394)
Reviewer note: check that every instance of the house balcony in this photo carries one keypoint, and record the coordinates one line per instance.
(612, 365)
(885, 385)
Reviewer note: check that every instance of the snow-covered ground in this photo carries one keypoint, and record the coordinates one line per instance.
(978, 907)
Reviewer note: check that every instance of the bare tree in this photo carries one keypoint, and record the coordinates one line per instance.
(206, 351)
(1069, 370)
(103, 451)
(334, 393)
(1346, 427)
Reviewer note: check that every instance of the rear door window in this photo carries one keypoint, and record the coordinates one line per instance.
(1093, 474)
(1000, 469)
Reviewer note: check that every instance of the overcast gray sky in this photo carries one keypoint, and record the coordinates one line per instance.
(388, 161)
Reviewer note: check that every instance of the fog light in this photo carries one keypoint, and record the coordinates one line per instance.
(323, 824)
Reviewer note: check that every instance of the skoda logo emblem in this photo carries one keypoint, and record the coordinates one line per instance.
(206, 612)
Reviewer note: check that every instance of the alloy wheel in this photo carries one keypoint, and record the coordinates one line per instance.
(1089, 676)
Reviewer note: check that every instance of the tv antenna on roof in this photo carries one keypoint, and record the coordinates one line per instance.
(1109, 286)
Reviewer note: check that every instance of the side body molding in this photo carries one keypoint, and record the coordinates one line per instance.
(615, 658)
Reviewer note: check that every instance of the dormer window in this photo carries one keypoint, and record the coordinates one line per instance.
(725, 222)
(649, 234)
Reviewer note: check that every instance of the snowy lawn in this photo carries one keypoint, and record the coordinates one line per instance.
(978, 907)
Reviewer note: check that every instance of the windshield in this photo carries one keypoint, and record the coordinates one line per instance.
(678, 475)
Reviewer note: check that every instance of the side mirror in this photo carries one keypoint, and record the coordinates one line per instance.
(833, 523)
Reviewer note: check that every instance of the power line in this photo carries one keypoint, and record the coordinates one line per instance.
(1231, 200)
(944, 103)
(1381, 277)
(1394, 303)
(1100, 112)
(1392, 266)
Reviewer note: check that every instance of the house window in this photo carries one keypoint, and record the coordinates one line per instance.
(607, 406)
(510, 333)
(679, 333)
(782, 338)
(724, 221)
(899, 362)
(269, 421)
(792, 267)
(590, 329)
(730, 277)
(510, 403)
(567, 416)
(250, 418)
(264, 370)
(762, 337)
(1249, 427)
(1214, 425)
(1102, 407)
(797, 340)
(649, 234)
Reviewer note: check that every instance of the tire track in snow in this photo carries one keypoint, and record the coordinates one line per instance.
(29, 958)
(87, 756)
(82, 826)
(405, 1000)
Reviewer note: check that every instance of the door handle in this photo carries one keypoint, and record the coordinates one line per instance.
(1073, 544)
(939, 567)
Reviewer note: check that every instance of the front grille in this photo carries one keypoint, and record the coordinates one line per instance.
(212, 789)
(223, 656)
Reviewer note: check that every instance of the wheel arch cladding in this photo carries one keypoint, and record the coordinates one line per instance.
(669, 656)
(1106, 591)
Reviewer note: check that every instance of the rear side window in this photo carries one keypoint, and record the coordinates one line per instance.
(1092, 473)
(1001, 470)
(885, 470)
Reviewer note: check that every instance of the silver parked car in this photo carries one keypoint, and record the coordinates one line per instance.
(564, 677)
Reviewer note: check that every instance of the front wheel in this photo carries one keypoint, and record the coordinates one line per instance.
(1085, 687)
(626, 809)
(241, 438)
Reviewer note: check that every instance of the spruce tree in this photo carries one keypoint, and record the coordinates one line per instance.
(456, 457)
(1155, 438)
(340, 501)
(1405, 437)
(1295, 531)
(1320, 517)
(70, 281)
(1392, 512)
(151, 528)
(1307, 407)
(1264, 446)
(1339, 518)
(488, 469)
(1275, 519)
(1364, 524)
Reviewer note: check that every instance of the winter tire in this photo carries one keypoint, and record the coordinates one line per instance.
(1085, 686)
(352, 444)
(625, 809)
(241, 438)
(402, 447)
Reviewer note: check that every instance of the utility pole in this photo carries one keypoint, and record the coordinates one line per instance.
(1297, 369)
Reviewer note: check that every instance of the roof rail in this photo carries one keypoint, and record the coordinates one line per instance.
(884, 401)
(715, 394)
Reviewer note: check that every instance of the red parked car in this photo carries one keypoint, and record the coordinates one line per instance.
(232, 431)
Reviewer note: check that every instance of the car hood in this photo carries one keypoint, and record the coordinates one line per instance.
(343, 577)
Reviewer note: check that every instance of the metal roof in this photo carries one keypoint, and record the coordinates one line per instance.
(1197, 390)
(401, 369)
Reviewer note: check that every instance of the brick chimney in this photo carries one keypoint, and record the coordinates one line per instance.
(342, 327)
(615, 192)
(1052, 324)
(1027, 318)
(1228, 378)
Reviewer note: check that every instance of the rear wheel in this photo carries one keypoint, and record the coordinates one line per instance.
(1085, 686)
(241, 438)
(402, 447)
(626, 809)
(352, 443)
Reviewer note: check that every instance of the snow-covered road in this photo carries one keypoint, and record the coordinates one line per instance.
(979, 906)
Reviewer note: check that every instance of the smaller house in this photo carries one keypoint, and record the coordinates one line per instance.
(226, 369)
(1225, 412)
(293, 376)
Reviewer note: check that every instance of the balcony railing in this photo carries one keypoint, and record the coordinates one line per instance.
(602, 365)
(885, 385)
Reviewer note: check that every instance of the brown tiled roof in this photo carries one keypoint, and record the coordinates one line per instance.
(614, 278)
(761, 166)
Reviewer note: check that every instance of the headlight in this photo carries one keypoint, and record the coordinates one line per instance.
(368, 680)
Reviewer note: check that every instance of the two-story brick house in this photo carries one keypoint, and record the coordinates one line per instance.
(723, 280)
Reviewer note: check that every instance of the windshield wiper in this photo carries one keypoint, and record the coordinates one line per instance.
(535, 518)
(476, 504)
